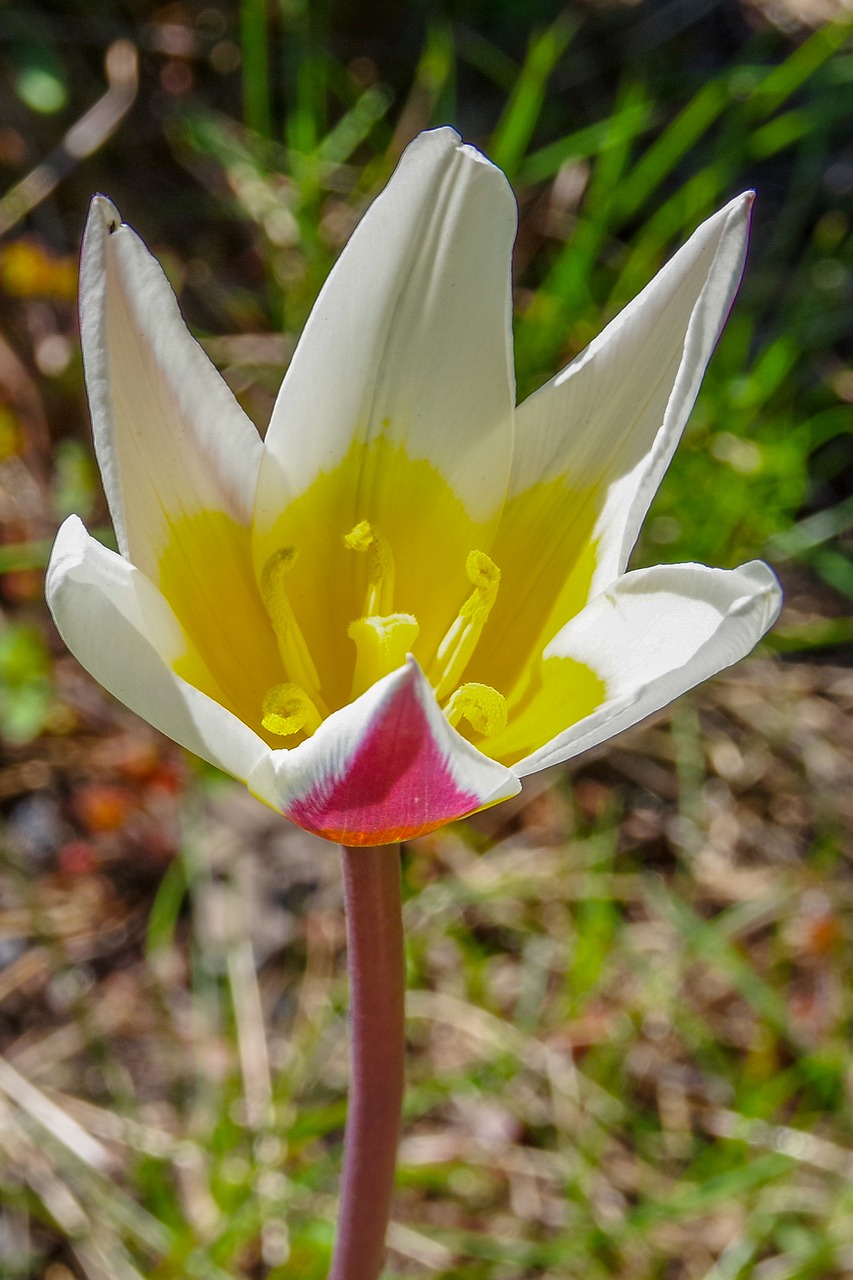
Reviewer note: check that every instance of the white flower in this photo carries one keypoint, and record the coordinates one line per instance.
(412, 594)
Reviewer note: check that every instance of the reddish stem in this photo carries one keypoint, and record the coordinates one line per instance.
(372, 897)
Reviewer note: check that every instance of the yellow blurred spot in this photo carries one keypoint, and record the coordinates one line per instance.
(11, 436)
(27, 271)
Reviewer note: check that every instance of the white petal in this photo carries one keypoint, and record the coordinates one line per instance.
(170, 437)
(120, 628)
(385, 768)
(654, 634)
(409, 342)
(616, 413)
(593, 443)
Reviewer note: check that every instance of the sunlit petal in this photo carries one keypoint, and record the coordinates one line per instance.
(171, 439)
(593, 443)
(178, 456)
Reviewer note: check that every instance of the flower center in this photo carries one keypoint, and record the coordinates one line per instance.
(382, 639)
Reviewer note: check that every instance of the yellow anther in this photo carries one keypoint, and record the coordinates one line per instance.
(381, 645)
(481, 705)
(287, 709)
(454, 652)
(485, 576)
(295, 654)
(379, 600)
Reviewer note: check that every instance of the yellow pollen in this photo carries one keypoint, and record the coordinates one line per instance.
(294, 652)
(381, 645)
(481, 705)
(379, 600)
(454, 652)
(287, 709)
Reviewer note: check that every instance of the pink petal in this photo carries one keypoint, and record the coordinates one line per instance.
(388, 767)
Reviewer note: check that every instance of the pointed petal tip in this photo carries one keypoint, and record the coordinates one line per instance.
(729, 225)
(745, 200)
(744, 205)
(103, 214)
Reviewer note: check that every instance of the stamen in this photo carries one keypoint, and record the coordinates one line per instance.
(454, 652)
(287, 709)
(379, 600)
(481, 705)
(291, 643)
(381, 645)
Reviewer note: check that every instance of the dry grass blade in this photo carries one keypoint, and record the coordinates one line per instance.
(53, 1119)
(83, 138)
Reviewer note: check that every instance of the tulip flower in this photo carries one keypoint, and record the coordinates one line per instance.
(412, 593)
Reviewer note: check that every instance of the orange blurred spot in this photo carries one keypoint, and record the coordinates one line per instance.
(821, 933)
(137, 761)
(101, 808)
(140, 763)
(21, 585)
(169, 776)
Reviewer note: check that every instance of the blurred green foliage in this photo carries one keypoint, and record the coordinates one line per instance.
(26, 689)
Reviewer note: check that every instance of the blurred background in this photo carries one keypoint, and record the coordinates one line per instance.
(630, 997)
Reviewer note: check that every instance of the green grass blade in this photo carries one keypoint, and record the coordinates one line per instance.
(632, 122)
(166, 908)
(571, 275)
(674, 143)
(792, 74)
(254, 38)
(514, 130)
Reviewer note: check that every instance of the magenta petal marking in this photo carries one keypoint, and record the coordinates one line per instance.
(396, 785)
